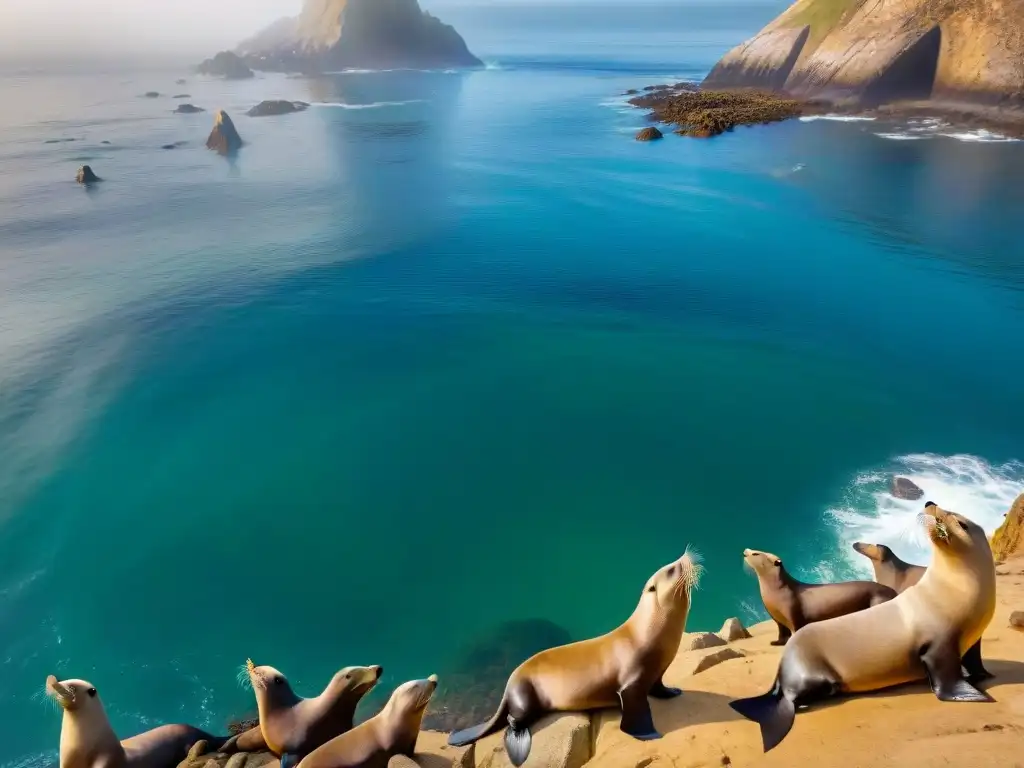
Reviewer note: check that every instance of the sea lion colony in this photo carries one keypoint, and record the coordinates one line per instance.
(912, 623)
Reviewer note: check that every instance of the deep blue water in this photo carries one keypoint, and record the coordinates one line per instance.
(450, 349)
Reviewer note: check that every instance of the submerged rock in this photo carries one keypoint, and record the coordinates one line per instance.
(224, 137)
(188, 109)
(175, 145)
(226, 64)
(902, 488)
(151, 95)
(649, 134)
(86, 176)
(182, 96)
(276, 107)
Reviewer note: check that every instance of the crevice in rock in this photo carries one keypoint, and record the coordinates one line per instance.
(782, 74)
(911, 75)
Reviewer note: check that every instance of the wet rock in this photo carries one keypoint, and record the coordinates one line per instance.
(715, 658)
(58, 141)
(472, 685)
(649, 134)
(703, 114)
(224, 137)
(276, 107)
(732, 630)
(152, 95)
(632, 92)
(1017, 620)
(175, 145)
(182, 96)
(902, 488)
(188, 109)
(228, 65)
(104, 142)
(695, 641)
(86, 176)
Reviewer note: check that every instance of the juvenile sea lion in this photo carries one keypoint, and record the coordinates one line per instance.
(889, 569)
(88, 741)
(292, 725)
(794, 604)
(371, 744)
(924, 632)
(621, 668)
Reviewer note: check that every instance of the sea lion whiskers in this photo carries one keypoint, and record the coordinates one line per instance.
(933, 526)
(691, 568)
(59, 694)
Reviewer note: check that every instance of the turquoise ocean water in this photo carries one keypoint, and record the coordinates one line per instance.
(450, 349)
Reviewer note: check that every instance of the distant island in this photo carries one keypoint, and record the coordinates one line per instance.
(331, 35)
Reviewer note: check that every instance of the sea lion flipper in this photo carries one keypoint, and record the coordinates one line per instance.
(518, 741)
(660, 691)
(784, 635)
(941, 660)
(971, 661)
(289, 760)
(637, 720)
(772, 711)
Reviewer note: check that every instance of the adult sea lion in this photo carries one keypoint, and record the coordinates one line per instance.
(924, 632)
(794, 604)
(290, 724)
(88, 741)
(371, 744)
(621, 668)
(889, 569)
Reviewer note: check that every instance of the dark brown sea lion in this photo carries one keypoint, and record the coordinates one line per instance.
(619, 669)
(88, 741)
(926, 631)
(794, 604)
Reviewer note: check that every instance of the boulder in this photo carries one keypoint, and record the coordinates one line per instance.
(733, 630)
(1008, 540)
(902, 488)
(226, 64)
(188, 109)
(86, 176)
(649, 134)
(199, 757)
(695, 641)
(271, 108)
(715, 658)
(175, 145)
(561, 740)
(224, 137)
(1017, 620)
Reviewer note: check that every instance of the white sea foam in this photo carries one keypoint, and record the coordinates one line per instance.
(371, 105)
(962, 483)
(896, 136)
(934, 128)
(979, 135)
(837, 118)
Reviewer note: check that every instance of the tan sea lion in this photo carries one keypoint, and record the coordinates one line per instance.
(372, 744)
(88, 741)
(292, 725)
(794, 604)
(921, 633)
(621, 668)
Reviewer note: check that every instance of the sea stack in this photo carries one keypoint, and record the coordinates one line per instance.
(227, 65)
(866, 53)
(331, 35)
(224, 138)
(649, 133)
(86, 176)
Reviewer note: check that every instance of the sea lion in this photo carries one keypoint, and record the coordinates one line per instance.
(621, 668)
(794, 604)
(924, 632)
(292, 725)
(371, 744)
(889, 569)
(88, 741)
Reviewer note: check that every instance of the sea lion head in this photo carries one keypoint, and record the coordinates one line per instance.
(406, 706)
(954, 535)
(670, 587)
(762, 563)
(877, 552)
(75, 696)
(356, 681)
(270, 686)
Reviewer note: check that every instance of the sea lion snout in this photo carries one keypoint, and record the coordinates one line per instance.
(377, 671)
(432, 680)
(748, 552)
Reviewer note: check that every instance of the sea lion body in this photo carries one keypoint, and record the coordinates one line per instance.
(292, 725)
(925, 632)
(373, 743)
(621, 668)
(88, 741)
(793, 604)
(889, 569)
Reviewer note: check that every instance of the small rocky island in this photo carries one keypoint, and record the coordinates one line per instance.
(188, 109)
(224, 138)
(277, 107)
(85, 175)
(330, 35)
(227, 65)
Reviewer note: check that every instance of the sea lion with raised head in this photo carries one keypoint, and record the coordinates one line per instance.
(290, 724)
(88, 741)
(393, 731)
(618, 669)
(923, 633)
(793, 604)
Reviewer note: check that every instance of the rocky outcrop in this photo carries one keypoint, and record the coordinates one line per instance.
(559, 741)
(902, 488)
(226, 64)
(224, 137)
(188, 109)
(715, 658)
(733, 630)
(1017, 620)
(704, 113)
(649, 134)
(374, 34)
(1008, 539)
(873, 52)
(151, 95)
(85, 175)
(695, 641)
(271, 108)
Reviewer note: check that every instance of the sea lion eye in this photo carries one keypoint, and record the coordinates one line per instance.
(92, 692)
(348, 676)
(278, 680)
(671, 570)
(652, 588)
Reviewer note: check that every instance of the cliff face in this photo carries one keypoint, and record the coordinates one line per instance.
(1008, 540)
(374, 34)
(879, 51)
